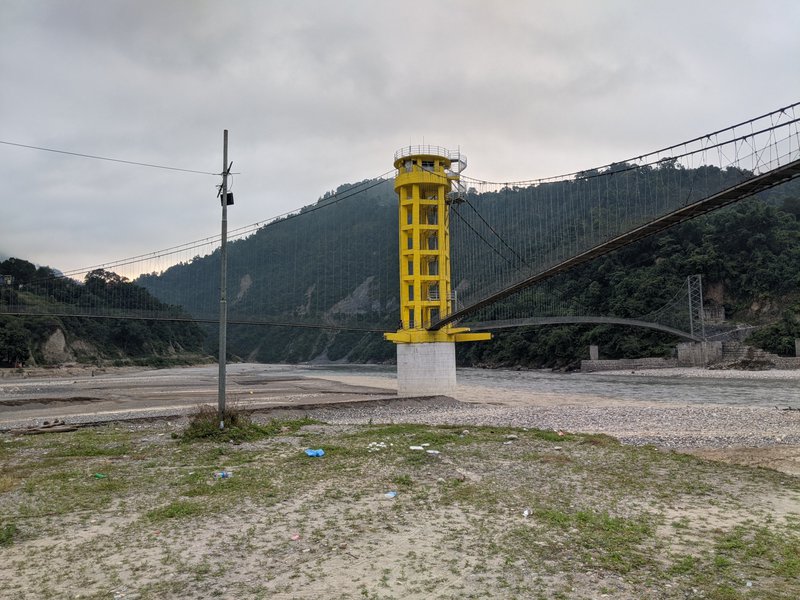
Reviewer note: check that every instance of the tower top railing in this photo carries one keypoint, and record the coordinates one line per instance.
(427, 150)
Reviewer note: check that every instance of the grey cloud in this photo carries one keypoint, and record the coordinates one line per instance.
(316, 94)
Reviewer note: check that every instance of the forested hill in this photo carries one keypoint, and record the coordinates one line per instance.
(45, 340)
(748, 255)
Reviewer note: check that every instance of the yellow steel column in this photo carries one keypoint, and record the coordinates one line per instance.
(422, 184)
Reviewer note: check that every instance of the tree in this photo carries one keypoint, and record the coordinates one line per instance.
(14, 346)
(21, 270)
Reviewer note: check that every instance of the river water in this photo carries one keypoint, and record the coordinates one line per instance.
(769, 388)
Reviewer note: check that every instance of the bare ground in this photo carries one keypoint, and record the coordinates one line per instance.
(127, 511)
(505, 510)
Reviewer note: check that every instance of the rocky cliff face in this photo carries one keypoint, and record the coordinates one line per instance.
(55, 349)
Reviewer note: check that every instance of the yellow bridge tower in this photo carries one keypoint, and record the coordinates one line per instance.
(426, 359)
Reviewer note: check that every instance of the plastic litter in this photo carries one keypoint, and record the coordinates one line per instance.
(434, 452)
(295, 537)
(416, 448)
(222, 475)
(376, 446)
(391, 494)
(526, 513)
(313, 453)
(100, 476)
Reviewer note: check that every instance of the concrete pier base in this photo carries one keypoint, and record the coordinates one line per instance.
(427, 369)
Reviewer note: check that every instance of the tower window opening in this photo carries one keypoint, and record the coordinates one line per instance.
(428, 164)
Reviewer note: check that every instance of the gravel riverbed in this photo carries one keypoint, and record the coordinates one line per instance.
(581, 403)
(668, 427)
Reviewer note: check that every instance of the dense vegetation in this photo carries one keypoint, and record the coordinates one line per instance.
(23, 339)
(749, 255)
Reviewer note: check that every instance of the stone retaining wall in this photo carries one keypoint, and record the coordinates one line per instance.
(627, 364)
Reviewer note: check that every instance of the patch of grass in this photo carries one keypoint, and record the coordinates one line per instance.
(743, 545)
(599, 439)
(552, 436)
(238, 426)
(7, 483)
(684, 564)
(7, 533)
(8, 447)
(551, 458)
(409, 434)
(89, 443)
(612, 542)
(681, 523)
(180, 509)
(66, 491)
(455, 491)
(403, 481)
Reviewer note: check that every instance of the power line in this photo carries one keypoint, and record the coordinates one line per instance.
(240, 232)
(106, 158)
(704, 142)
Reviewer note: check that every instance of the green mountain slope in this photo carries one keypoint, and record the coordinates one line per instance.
(54, 339)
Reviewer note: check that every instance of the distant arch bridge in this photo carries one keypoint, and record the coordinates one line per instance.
(543, 321)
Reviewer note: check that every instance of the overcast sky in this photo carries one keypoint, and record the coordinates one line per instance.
(320, 93)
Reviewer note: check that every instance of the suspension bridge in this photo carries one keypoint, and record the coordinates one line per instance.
(333, 264)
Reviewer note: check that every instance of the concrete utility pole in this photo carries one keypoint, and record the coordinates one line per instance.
(223, 285)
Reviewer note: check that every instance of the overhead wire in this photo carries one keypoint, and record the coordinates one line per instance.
(108, 159)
